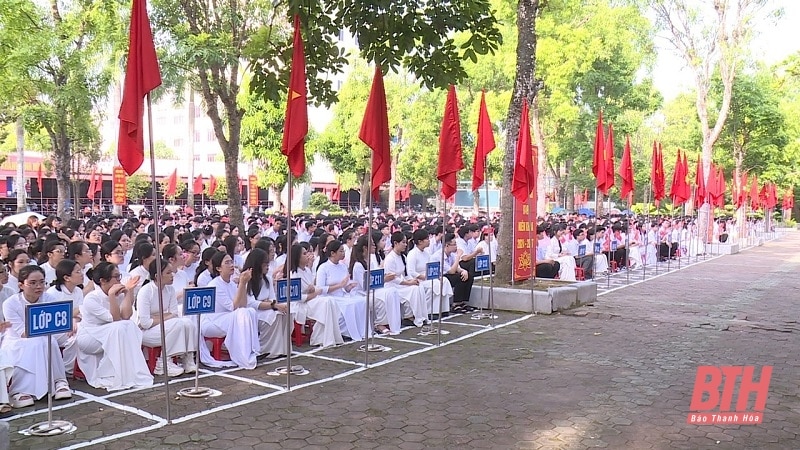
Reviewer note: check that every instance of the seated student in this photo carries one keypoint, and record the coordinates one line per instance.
(17, 259)
(596, 236)
(55, 251)
(313, 305)
(109, 343)
(416, 265)
(29, 355)
(232, 319)
(618, 246)
(545, 268)
(6, 367)
(412, 295)
(180, 332)
(334, 280)
(582, 250)
(66, 286)
(557, 252)
(386, 308)
(202, 275)
(457, 276)
(488, 246)
(273, 335)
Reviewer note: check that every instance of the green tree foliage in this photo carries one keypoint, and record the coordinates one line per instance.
(138, 187)
(221, 193)
(57, 65)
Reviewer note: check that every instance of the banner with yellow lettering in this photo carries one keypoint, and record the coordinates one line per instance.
(120, 186)
(252, 191)
(524, 248)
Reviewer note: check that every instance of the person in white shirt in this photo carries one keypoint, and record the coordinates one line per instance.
(29, 355)
(191, 254)
(557, 252)
(582, 250)
(66, 286)
(202, 275)
(17, 260)
(386, 309)
(457, 276)
(334, 280)
(396, 276)
(313, 305)
(177, 258)
(232, 318)
(180, 332)
(109, 342)
(486, 245)
(55, 251)
(275, 230)
(273, 323)
(439, 294)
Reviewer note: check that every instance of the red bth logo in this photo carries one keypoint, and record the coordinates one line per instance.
(712, 399)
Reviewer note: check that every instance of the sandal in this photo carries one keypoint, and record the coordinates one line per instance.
(4, 408)
(62, 390)
(20, 400)
(382, 329)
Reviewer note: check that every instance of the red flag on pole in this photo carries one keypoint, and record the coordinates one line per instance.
(657, 174)
(754, 202)
(677, 189)
(450, 153)
(609, 160)
(721, 188)
(142, 75)
(295, 126)
(212, 185)
(172, 184)
(39, 175)
(700, 184)
(90, 192)
(599, 158)
(484, 145)
(525, 162)
(687, 190)
(741, 193)
(626, 170)
(375, 133)
(197, 186)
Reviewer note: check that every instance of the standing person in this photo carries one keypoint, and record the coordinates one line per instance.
(66, 287)
(109, 343)
(180, 332)
(30, 355)
(232, 319)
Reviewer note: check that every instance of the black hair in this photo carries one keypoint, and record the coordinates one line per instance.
(103, 271)
(255, 260)
(205, 257)
(357, 255)
(64, 268)
(142, 251)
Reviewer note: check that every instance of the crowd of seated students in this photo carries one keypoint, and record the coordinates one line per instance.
(116, 271)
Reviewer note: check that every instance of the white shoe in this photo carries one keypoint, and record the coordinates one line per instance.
(21, 400)
(173, 370)
(62, 390)
(189, 366)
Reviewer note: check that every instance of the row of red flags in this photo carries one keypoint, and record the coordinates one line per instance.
(143, 75)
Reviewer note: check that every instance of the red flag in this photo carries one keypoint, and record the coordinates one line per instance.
(295, 127)
(788, 199)
(772, 196)
(754, 202)
(172, 184)
(525, 161)
(741, 193)
(212, 185)
(660, 190)
(39, 178)
(142, 75)
(721, 188)
(676, 191)
(599, 159)
(375, 133)
(484, 145)
(197, 186)
(609, 161)
(337, 193)
(90, 192)
(450, 156)
(686, 189)
(626, 170)
(700, 185)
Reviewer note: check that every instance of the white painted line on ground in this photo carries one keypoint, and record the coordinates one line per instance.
(332, 359)
(112, 437)
(44, 410)
(225, 407)
(410, 341)
(252, 381)
(125, 408)
(470, 324)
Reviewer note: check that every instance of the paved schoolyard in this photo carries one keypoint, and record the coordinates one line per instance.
(618, 374)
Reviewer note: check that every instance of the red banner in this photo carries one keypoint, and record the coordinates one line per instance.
(524, 258)
(120, 186)
(252, 191)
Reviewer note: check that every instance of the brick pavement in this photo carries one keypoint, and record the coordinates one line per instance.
(618, 374)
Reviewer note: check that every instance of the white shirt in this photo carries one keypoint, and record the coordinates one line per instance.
(394, 264)
(204, 278)
(14, 311)
(95, 309)
(329, 274)
(265, 294)
(416, 263)
(226, 294)
(49, 273)
(76, 296)
(147, 303)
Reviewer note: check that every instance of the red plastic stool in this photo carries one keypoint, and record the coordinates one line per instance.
(216, 348)
(580, 275)
(298, 337)
(77, 374)
(152, 356)
(614, 266)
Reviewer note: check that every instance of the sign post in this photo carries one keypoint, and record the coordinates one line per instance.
(46, 319)
(197, 301)
(433, 271)
(482, 264)
(373, 280)
(290, 291)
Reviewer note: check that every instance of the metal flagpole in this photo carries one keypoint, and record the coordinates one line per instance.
(441, 272)
(532, 245)
(594, 243)
(288, 268)
(646, 238)
(156, 224)
(491, 273)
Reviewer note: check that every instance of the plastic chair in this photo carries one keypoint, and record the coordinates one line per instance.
(580, 275)
(216, 348)
(152, 356)
(298, 337)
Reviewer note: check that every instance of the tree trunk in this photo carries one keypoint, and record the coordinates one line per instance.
(538, 137)
(365, 193)
(61, 155)
(22, 202)
(524, 88)
(393, 183)
(476, 202)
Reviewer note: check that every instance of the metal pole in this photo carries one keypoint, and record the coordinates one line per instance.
(197, 356)
(441, 273)
(368, 280)
(49, 381)
(164, 356)
(288, 268)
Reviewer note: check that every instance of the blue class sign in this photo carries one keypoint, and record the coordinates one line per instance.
(581, 250)
(433, 270)
(376, 279)
(42, 319)
(481, 263)
(295, 290)
(199, 300)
